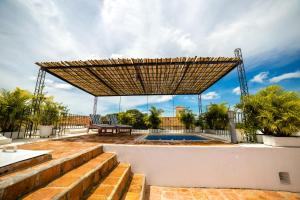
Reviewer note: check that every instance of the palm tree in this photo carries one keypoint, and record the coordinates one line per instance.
(153, 120)
(187, 117)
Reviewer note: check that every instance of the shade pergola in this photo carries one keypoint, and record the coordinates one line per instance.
(148, 76)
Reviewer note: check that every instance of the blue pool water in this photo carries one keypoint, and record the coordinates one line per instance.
(175, 137)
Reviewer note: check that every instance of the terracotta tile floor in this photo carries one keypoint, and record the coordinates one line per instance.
(67, 146)
(168, 193)
(130, 139)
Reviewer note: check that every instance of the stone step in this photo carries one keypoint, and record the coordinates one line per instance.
(114, 185)
(78, 182)
(136, 189)
(25, 181)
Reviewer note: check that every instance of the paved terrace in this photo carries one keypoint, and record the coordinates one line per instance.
(67, 146)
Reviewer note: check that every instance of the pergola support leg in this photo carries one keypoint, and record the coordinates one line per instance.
(200, 104)
(233, 136)
(95, 105)
(241, 73)
(37, 99)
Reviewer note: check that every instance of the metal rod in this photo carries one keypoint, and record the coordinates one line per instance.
(120, 104)
(95, 105)
(199, 104)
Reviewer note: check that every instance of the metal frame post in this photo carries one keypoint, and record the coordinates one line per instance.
(37, 99)
(120, 104)
(241, 73)
(200, 104)
(95, 105)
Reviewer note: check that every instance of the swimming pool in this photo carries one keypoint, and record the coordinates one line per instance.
(175, 137)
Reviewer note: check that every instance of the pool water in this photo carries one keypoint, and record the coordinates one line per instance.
(175, 137)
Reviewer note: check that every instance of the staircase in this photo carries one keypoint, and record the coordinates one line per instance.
(91, 174)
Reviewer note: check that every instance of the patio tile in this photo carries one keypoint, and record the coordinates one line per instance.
(164, 193)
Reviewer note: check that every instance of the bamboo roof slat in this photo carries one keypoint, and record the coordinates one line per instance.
(148, 76)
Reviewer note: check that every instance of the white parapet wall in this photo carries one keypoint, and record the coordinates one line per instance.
(255, 167)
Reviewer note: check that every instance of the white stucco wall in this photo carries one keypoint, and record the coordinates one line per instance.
(224, 167)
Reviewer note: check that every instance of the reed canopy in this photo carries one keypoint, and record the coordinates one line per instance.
(147, 76)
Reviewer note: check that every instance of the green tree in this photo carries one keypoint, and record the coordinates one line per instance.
(126, 118)
(13, 108)
(273, 111)
(187, 117)
(216, 117)
(133, 117)
(154, 119)
(200, 121)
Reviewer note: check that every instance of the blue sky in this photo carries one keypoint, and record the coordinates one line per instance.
(268, 32)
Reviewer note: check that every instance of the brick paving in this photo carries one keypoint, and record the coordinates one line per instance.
(131, 139)
(68, 146)
(170, 193)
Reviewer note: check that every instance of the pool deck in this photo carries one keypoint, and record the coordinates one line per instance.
(67, 146)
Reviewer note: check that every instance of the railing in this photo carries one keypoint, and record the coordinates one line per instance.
(220, 134)
(164, 131)
(24, 124)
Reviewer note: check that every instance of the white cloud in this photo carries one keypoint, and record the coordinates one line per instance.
(260, 78)
(55, 30)
(111, 104)
(277, 79)
(237, 90)
(210, 95)
(49, 83)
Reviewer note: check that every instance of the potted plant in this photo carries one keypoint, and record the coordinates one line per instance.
(50, 113)
(187, 118)
(154, 120)
(276, 113)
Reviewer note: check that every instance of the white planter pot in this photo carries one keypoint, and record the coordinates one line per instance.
(4, 140)
(45, 131)
(259, 138)
(14, 135)
(281, 141)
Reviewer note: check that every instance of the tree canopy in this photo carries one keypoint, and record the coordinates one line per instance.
(273, 111)
(187, 117)
(154, 119)
(216, 117)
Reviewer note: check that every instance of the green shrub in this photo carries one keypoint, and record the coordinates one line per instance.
(51, 111)
(273, 111)
(14, 107)
(216, 117)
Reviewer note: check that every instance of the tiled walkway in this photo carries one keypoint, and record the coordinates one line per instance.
(169, 193)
